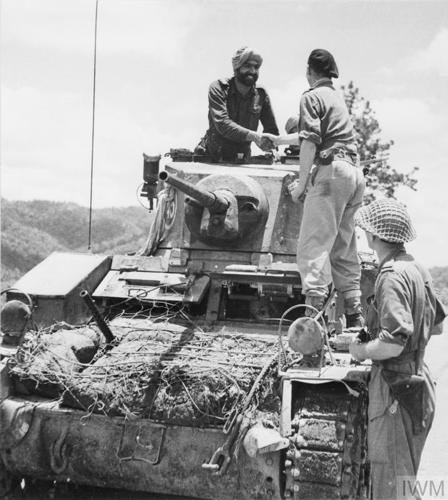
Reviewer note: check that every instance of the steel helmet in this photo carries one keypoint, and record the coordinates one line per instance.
(388, 219)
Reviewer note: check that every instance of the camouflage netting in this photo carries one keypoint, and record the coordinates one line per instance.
(156, 370)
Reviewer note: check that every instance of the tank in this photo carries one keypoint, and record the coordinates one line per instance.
(187, 368)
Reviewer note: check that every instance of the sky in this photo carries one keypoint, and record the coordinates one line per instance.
(155, 61)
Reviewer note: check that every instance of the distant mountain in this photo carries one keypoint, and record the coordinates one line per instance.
(31, 230)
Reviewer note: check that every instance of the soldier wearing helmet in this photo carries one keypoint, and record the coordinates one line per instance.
(400, 320)
(334, 186)
(236, 106)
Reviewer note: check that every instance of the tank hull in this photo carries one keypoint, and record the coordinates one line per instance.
(43, 441)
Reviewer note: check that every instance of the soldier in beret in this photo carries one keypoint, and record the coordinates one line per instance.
(236, 106)
(334, 190)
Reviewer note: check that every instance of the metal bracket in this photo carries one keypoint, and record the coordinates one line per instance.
(285, 415)
(16, 422)
(141, 442)
(220, 461)
(214, 301)
(58, 453)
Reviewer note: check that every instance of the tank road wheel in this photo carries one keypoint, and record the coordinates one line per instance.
(327, 457)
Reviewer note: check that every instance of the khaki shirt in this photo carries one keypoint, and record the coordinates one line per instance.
(324, 118)
(403, 310)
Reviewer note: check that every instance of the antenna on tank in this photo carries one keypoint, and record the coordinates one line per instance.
(93, 129)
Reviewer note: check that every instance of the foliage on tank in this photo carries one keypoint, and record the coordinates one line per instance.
(155, 370)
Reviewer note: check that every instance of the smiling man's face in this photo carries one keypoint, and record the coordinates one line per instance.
(247, 74)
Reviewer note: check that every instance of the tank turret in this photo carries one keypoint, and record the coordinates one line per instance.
(221, 208)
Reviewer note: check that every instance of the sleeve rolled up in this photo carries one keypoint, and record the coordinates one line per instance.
(395, 310)
(310, 122)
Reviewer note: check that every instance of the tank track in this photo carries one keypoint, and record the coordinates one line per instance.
(327, 457)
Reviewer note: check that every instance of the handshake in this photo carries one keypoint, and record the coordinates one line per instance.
(266, 142)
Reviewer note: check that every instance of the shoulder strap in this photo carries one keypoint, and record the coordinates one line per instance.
(421, 314)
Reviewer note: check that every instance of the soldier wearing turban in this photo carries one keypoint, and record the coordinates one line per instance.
(236, 106)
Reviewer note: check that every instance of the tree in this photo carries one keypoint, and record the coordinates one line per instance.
(440, 280)
(380, 176)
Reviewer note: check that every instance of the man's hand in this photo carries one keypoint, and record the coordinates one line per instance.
(254, 137)
(357, 350)
(271, 139)
(267, 142)
(297, 190)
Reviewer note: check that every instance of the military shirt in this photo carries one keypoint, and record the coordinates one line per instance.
(404, 304)
(324, 118)
(231, 115)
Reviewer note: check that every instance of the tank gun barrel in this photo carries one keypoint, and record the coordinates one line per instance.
(213, 202)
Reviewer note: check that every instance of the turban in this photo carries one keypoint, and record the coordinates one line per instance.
(243, 55)
(323, 62)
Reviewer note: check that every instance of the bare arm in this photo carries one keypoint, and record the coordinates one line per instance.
(290, 139)
(376, 350)
(307, 154)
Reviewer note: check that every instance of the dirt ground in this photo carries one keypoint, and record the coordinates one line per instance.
(435, 455)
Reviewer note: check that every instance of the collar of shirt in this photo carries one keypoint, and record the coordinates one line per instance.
(390, 257)
(322, 82)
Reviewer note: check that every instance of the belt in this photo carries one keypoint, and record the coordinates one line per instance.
(343, 154)
(327, 156)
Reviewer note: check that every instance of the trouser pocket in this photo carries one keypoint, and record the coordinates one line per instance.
(380, 435)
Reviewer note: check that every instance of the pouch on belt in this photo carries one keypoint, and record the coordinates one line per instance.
(411, 392)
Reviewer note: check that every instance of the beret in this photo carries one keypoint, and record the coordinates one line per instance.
(321, 61)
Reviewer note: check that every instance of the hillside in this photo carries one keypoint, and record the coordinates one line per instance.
(31, 230)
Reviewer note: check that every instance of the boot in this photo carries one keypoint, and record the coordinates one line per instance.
(355, 320)
(353, 312)
(315, 301)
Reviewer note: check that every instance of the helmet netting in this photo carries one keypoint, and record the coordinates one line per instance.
(388, 219)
